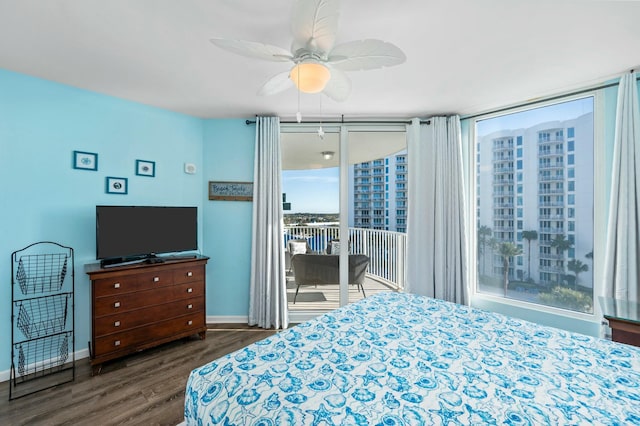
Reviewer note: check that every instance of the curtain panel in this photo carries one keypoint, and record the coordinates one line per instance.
(436, 240)
(622, 255)
(268, 292)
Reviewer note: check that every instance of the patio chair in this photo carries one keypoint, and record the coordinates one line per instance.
(318, 269)
(297, 246)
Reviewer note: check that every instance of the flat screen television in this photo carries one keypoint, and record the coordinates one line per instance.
(129, 233)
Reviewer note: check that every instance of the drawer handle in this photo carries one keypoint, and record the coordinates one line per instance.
(189, 290)
(156, 279)
(116, 343)
(189, 306)
(116, 324)
(116, 285)
(189, 274)
(190, 322)
(116, 305)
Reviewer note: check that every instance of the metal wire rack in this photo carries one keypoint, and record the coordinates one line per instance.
(42, 318)
(41, 273)
(42, 356)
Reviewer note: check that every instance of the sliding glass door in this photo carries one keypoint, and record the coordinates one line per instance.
(345, 213)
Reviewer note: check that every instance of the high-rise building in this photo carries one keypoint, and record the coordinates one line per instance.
(539, 182)
(379, 196)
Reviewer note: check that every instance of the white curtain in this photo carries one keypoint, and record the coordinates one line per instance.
(268, 292)
(622, 254)
(436, 256)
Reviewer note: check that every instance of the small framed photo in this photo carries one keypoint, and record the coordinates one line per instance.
(85, 160)
(116, 185)
(145, 168)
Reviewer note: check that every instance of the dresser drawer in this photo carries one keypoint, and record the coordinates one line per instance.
(141, 336)
(110, 305)
(188, 274)
(126, 320)
(134, 282)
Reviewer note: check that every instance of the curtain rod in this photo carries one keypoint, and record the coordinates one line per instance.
(539, 101)
(427, 121)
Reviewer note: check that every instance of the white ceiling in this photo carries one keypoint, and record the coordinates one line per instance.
(303, 150)
(463, 56)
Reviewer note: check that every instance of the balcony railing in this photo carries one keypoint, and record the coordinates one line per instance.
(386, 249)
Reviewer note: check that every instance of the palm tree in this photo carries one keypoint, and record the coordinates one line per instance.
(483, 238)
(529, 236)
(507, 251)
(576, 266)
(561, 244)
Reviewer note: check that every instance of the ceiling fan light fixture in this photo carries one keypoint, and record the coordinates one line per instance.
(310, 77)
(327, 155)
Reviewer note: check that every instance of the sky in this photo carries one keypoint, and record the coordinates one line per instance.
(312, 191)
(517, 120)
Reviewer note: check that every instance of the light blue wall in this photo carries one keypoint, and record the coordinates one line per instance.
(44, 198)
(228, 156)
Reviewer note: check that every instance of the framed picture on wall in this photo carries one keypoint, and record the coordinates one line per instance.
(85, 160)
(145, 168)
(231, 191)
(116, 185)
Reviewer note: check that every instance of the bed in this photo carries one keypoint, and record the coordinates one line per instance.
(402, 359)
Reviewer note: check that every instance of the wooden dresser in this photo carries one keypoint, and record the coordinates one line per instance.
(139, 306)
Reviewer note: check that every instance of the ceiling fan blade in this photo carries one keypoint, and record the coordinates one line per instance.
(365, 55)
(314, 24)
(254, 49)
(276, 84)
(339, 86)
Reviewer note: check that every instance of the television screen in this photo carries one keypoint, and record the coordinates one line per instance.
(130, 231)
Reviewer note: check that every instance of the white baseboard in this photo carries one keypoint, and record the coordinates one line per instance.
(227, 319)
(6, 374)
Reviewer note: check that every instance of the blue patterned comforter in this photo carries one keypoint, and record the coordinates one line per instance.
(401, 359)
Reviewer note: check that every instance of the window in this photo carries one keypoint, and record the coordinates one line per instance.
(538, 253)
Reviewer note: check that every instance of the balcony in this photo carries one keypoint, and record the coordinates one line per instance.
(551, 230)
(503, 228)
(553, 269)
(551, 203)
(549, 191)
(505, 159)
(550, 153)
(550, 166)
(551, 178)
(550, 140)
(550, 217)
(554, 256)
(503, 169)
(503, 193)
(386, 251)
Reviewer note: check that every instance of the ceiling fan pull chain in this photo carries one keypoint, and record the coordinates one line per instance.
(298, 114)
(320, 130)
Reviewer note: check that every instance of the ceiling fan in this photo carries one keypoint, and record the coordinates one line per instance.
(318, 65)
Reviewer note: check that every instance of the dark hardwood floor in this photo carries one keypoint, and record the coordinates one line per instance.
(146, 388)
